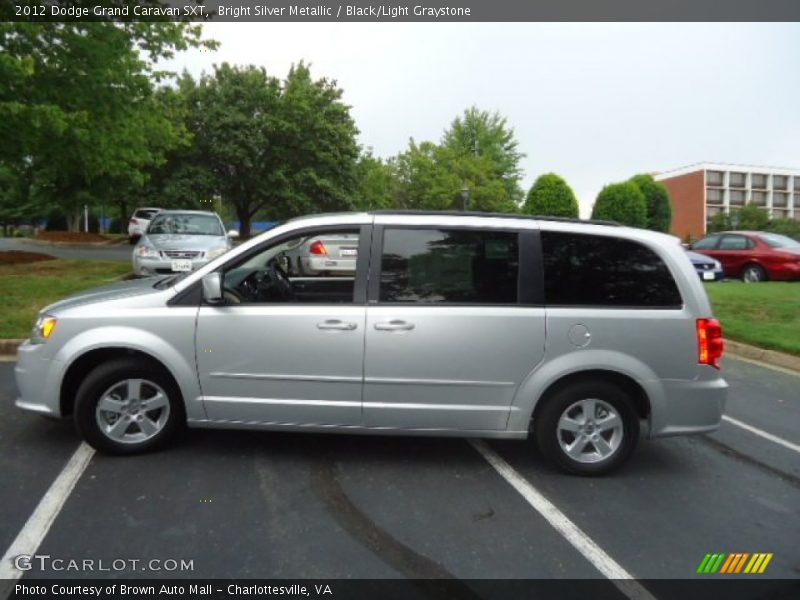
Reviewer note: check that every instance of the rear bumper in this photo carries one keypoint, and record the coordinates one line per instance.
(314, 265)
(694, 406)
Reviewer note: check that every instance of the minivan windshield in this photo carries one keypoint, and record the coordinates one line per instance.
(186, 223)
(777, 240)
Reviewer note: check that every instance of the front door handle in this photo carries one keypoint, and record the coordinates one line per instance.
(336, 325)
(394, 325)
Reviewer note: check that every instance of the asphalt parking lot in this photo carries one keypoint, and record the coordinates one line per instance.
(245, 504)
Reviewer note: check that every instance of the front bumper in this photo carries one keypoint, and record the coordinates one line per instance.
(161, 266)
(37, 379)
(785, 271)
(710, 274)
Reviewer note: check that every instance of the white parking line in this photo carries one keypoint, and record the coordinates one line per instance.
(762, 433)
(561, 523)
(32, 533)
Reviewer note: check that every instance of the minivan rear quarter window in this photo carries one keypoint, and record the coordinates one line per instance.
(458, 266)
(593, 270)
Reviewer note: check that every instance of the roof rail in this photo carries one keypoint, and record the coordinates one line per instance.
(461, 213)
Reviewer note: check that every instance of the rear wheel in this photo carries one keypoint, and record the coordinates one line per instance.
(127, 406)
(754, 274)
(587, 428)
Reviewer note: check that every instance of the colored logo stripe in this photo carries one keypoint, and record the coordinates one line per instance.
(735, 562)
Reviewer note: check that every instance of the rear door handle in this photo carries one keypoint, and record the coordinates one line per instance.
(336, 325)
(394, 325)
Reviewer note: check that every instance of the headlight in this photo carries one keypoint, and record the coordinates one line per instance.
(212, 254)
(717, 264)
(43, 329)
(146, 252)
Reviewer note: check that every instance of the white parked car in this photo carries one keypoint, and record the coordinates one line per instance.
(139, 222)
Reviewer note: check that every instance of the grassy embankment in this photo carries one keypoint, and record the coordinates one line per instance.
(761, 314)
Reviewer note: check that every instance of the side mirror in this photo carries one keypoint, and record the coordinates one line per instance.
(212, 288)
(233, 234)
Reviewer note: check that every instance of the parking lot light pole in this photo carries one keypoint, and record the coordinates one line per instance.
(465, 197)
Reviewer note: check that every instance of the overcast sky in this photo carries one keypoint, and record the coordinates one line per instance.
(594, 103)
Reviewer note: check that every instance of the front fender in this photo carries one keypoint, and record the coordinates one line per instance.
(179, 360)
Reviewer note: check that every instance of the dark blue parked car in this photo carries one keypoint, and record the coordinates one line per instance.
(708, 269)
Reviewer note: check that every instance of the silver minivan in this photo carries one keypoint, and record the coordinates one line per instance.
(583, 334)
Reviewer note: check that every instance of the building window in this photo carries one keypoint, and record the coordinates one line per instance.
(713, 196)
(714, 178)
(780, 182)
(796, 202)
(759, 181)
(737, 180)
(797, 184)
(780, 213)
(780, 200)
(737, 197)
(759, 199)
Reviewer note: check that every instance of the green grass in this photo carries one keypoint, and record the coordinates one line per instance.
(761, 314)
(26, 288)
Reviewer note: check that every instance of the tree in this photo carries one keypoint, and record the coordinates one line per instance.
(280, 148)
(481, 149)
(621, 202)
(750, 217)
(375, 183)
(423, 180)
(477, 155)
(659, 208)
(550, 195)
(77, 102)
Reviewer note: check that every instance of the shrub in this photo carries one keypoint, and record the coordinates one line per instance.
(550, 195)
(659, 208)
(621, 202)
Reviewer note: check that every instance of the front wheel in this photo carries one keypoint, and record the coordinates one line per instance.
(588, 428)
(128, 406)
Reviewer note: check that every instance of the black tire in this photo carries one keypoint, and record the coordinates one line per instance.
(753, 273)
(549, 439)
(115, 371)
(132, 240)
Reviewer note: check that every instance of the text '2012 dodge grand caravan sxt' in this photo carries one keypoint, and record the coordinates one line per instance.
(453, 324)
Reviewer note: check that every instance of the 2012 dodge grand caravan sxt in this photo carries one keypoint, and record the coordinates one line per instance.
(493, 326)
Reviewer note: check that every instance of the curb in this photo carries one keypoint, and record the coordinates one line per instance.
(771, 357)
(74, 244)
(8, 347)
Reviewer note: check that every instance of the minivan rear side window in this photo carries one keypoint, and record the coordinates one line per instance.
(593, 270)
(452, 266)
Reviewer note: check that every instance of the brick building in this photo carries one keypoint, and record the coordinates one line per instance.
(702, 190)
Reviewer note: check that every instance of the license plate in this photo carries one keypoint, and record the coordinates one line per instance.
(181, 265)
(708, 275)
(347, 252)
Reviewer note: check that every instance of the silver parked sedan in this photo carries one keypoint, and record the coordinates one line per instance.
(180, 240)
(333, 254)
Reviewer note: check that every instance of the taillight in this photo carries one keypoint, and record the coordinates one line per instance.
(709, 342)
(318, 248)
(134, 222)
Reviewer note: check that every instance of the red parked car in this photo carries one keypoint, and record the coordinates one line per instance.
(753, 255)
